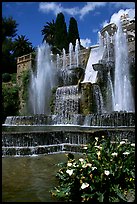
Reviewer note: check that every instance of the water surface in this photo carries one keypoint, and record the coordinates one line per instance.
(29, 179)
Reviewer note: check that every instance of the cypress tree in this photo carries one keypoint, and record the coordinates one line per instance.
(61, 38)
(73, 32)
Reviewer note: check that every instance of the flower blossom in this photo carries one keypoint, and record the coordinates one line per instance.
(122, 142)
(106, 172)
(133, 145)
(84, 185)
(94, 167)
(70, 172)
(126, 153)
(114, 154)
(69, 164)
(81, 159)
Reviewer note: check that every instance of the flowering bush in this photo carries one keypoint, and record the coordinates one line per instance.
(105, 173)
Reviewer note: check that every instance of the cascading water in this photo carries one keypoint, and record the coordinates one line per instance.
(66, 104)
(98, 99)
(122, 86)
(95, 55)
(43, 79)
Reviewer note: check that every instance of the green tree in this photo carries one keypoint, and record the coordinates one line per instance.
(48, 32)
(9, 28)
(22, 46)
(73, 33)
(10, 100)
(61, 38)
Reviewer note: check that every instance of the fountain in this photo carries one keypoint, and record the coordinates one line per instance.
(122, 88)
(81, 109)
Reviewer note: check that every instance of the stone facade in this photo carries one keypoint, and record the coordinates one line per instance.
(24, 63)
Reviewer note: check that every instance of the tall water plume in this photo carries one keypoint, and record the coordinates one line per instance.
(70, 54)
(43, 79)
(122, 86)
(77, 47)
(110, 90)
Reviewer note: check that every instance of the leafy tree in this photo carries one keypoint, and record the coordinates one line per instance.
(61, 38)
(10, 100)
(49, 32)
(11, 49)
(73, 33)
(22, 46)
(9, 28)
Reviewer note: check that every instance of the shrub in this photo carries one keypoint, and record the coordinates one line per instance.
(105, 173)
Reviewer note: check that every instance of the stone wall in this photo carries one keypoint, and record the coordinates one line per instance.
(24, 63)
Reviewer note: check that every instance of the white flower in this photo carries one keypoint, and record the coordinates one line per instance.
(133, 145)
(94, 167)
(84, 185)
(85, 147)
(106, 172)
(86, 165)
(98, 147)
(122, 142)
(114, 154)
(70, 172)
(96, 138)
(81, 159)
(69, 164)
(126, 153)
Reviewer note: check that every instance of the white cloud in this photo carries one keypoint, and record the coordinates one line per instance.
(124, 4)
(116, 16)
(85, 42)
(95, 30)
(50, 7)
(104, 23)
(54, 7)
(90, 6)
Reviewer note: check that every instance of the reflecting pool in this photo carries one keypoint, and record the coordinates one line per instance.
(29, 179)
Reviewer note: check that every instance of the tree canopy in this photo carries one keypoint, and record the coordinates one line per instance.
(73, 33)
(12, 47)
(55, 33)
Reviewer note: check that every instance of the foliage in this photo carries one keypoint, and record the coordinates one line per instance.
(61, 38)
(25, 83)
(12, 48)
(106, 173)
(52, 100)
(6, 77)
(9, 27)
(22, 46)
(73, 33)
(49, 32)
(55, 33)
(10, 100)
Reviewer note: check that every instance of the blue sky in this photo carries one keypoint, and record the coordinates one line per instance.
(90, 16)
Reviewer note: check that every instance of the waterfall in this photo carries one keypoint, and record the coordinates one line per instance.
(96, 54)
(66, 104)
(43, 79)
(122, 86)
(98, 99)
